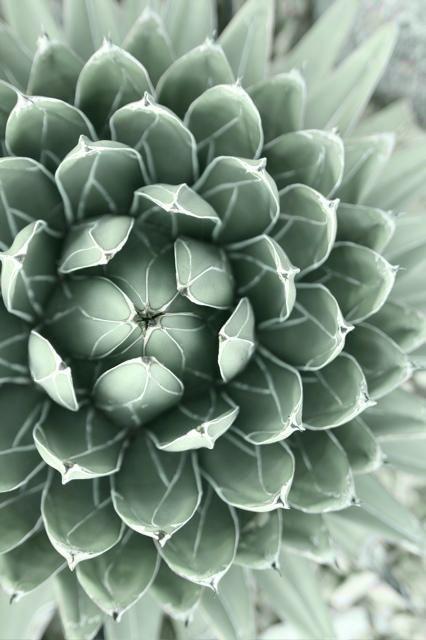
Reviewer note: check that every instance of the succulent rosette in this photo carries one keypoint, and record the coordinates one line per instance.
(198, 329)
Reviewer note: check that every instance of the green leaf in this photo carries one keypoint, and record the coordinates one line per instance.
(307, 535)
(363, 450)
(335, 394)
(260, 539)
(54, 70)
(189, 24)
(247, 476)
(384, 364)
(360, 279)
(20, 406)
(94, 243)
(203, 550)
(28, 272)
(176, 596)
(80, 617)
(8, 98)
(20, 513)
(90, 318)
(149, 43)
(316, 52)
(178, 210)
(99, 176)
(371, 227)
(296, 592)
(195, 423)
(306, 227)
(29, 18)
(136, 391)
(203, 274)
(45, 129)
(30, 617)
(236, 341)
(88, 22)
(25, 568)
(79, 518)
(401, 414)
(145, 614)
(405, 325)
(407, 456)
(266, 276)
(27, 192)
(156, 493)
(243, 195)
(118, 578)
(269, 394)
(313, 335)
(193, 73)
(312, 157)
(153, 130)
(280, 101)
(111, 78)
(247, 40)
(15, 59)
(342, 98)
(81, 446)
(225, 122)
(14, 335)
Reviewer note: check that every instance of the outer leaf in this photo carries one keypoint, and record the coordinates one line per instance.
(322, 480)
(79, 519)
(20, 513)
(118, 578)
(236, 341)
(145, 614)
(407, 456)
(368, 226)
(30, 19)
(31, 616)
(80, 446)
(400, 414)
(15, 59)
(203, 550)
(156, 493)
(14, 335)
(307, 534)
(249, 477)
(406, 326)
(176, 596)
(8, 98)
(260, 539)
(87, 23)
(363, 451)
(80, 616)
(335, 394)
(189, 24)
(247, 40)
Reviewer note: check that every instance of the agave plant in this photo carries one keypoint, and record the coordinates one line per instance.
(196, 307)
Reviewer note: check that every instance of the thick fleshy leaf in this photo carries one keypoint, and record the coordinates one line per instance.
(15, 58)
(323, 479)
(90, 318)
(409, 456)
(306, 227)
(99, 177)
(88, 22)
(8, 98)
(401, 414)
(149, 43)
(269, 394)
(312, 157)
(176, 596)
(363, 450)
(280, 101)
(368, 226)
(237, 341)
(28, 272)
(247, 476)
(29, 19)
(247, 41)
(335, 394)
(28, 192)
(266, 276)
(340, 100)
(153, 130)
(259, 540)
(14, 334)
(203, 274)
(243, 195)
(20, 408)
(20, 513)
(307, 534)
(45, 129)
(31, 615)
(203, 550)
(80, 617)
(384, 364)
(313, 335)
(359, 278)
(189, 24)
(195, 423)
(79, 518)
(25, 568)
(145, 614)
(225, 122)
(118, 578)
(177, 209)
(136, 391)
(80, 445)
(193, 73)
(405, 325)
(94, 243)
(54, 70)
(156, 493)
